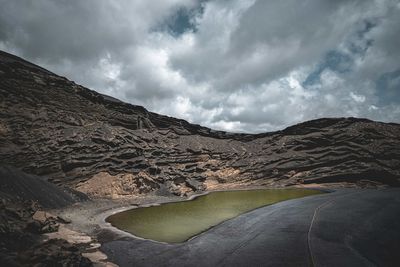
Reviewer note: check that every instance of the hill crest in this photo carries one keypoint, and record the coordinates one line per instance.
(74, 136)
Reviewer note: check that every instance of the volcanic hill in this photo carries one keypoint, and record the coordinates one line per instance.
(77, 138)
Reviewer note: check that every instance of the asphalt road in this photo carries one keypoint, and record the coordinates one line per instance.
(349, 227)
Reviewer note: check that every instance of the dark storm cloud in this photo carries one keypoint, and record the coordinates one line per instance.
(54, 30)
(242, 65)
(389, 87)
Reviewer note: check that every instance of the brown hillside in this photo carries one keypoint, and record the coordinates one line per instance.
(52, 127)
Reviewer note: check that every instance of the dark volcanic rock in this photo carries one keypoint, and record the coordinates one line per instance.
(20, 240)
(22, 186)
(55, 252)
(52, 127)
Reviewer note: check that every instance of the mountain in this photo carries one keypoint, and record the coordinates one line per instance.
(96, 144)
(17, 186)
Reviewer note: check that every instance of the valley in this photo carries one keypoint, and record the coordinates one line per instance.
(70, 157)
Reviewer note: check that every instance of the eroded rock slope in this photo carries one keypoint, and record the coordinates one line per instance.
(52, 127)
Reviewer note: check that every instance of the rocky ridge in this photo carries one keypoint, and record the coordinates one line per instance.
(31, 235)
(22, 226)
(18, 186)
(76, 137)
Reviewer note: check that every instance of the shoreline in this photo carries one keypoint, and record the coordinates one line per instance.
(89, 218)
(283, 229)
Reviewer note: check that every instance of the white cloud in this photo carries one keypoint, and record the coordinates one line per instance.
(357, 98)
(241, 67)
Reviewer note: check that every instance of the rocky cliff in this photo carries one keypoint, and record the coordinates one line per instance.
(76, 137)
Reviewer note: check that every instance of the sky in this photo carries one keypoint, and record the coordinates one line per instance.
(235, 65)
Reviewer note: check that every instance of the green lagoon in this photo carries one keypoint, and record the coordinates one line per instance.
(179, 221)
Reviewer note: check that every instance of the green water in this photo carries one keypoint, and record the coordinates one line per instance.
(178, 221)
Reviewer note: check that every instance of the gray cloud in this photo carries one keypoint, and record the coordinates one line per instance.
(240, 65)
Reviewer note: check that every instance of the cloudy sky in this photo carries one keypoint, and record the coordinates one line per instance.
(236, 65)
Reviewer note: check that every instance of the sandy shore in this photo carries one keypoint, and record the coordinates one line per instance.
(88, 225)
(89, 217)
(349, 227)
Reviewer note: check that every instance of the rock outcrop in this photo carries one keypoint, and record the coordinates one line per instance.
(73, 136)
(18, 186)
(21, 244)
